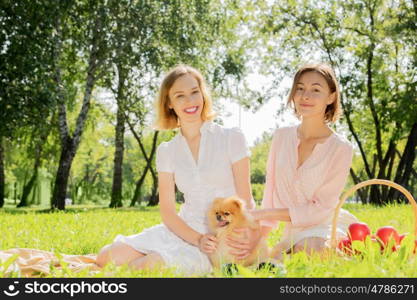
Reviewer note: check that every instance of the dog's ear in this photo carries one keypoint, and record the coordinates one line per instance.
(237, 202)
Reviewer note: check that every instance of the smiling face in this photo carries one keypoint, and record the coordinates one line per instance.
(312, 95)
(169, 98)
(315, 88)
(186, 99)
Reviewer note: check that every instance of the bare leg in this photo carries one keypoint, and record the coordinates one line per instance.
(152, 260)
(118, 253)
(310, 245)
(278, 251)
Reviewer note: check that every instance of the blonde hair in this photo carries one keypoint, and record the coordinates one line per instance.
(333, 110)
(166, 118)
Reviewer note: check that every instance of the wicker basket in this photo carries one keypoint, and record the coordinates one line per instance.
(407, 194)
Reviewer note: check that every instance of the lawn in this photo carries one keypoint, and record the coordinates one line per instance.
(84, 230)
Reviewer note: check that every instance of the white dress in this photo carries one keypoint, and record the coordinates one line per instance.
(201, 183)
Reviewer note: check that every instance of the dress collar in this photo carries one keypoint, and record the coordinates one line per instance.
(329, 138)
(207, 126)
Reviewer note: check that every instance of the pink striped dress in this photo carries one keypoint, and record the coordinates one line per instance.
(311, 192)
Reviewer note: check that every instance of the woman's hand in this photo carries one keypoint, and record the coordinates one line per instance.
(207, 243)
(256, 214)
(245, 244)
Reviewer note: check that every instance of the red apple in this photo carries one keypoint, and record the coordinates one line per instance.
(358, 231)
(345, 245)
(385, 234)
(401, 237)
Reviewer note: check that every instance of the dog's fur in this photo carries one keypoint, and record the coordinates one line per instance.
(225, 215)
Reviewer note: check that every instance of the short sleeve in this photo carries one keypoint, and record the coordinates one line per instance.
(237, 146)
(163, 158)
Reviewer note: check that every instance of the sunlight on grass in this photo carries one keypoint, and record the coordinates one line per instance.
(83, 230)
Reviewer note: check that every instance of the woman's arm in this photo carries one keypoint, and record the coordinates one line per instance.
(241, 176)
(243, 246)
(173, 221)
(272, 214)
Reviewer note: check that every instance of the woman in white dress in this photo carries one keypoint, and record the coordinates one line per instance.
(204, 161)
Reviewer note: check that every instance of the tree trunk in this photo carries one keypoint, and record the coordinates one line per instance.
(69, 145)
(379, 193)
(138, 187)
(405, 166)
(61, 180)
(388, 162)
(375, 195)
(34, 194)
(116, 195)
(148, 160)
(148, 166)
(154, 200)
(363, 193)
(27, 188)
(2, 173)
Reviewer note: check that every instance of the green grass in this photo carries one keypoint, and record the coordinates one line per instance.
(82, 230)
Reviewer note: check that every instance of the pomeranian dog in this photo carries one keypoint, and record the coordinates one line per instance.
(225, 215)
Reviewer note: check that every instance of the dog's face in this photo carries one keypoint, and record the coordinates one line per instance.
(225, 211)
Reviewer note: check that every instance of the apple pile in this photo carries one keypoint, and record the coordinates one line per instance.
(385, 236)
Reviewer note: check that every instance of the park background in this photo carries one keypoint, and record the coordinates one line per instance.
(78, 81)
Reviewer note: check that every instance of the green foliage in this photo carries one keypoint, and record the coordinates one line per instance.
(258, 192)
(59, 46)
(27, 90)
(226, 40)
(371, 46)
(259, 158)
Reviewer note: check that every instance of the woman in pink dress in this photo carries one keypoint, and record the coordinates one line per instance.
(307, 169)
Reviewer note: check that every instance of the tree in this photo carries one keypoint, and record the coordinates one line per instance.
(148, 38)
(371, 45)
(38, 141)
(90, 177)
(81, 48)
(26, 62)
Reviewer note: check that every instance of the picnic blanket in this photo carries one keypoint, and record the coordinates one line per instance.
(34, 262)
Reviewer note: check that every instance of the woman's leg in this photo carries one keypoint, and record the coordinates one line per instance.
(278, 251)
(310, 245)
(149, 261)
(119, 253)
